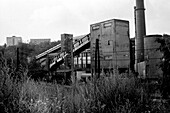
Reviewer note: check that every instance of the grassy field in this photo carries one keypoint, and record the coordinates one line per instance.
(115, 94)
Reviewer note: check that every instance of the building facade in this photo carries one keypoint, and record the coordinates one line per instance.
(114, 44)
(38, 41)
(12, 41)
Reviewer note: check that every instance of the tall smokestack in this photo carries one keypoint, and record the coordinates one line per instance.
(140, 30)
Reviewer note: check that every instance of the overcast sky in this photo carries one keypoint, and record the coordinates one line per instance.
(50, 18)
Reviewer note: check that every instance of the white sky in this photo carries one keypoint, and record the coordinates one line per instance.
(50, 18)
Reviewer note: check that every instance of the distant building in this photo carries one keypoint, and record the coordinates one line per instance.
(12, 41)
(38, 41)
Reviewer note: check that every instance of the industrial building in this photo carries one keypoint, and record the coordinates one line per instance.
(114, 44)
(39, 41)
(13, 41)
(108, 47)
(114, 49)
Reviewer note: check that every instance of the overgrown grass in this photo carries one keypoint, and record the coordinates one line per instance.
(115, 94)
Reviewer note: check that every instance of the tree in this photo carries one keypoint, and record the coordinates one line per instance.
(165, 63)
(25, 51)
(43, 47)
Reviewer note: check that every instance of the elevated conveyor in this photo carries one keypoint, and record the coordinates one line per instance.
(54, 50)
(49, 51)
(78, 47)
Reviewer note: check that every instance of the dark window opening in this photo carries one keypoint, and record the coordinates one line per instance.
(109, 42)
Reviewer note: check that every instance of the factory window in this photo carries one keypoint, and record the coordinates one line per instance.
(108, 57)
(107, 24)
(109, 42)
(95, 27)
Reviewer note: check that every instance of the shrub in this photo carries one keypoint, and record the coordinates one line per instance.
(112, 94)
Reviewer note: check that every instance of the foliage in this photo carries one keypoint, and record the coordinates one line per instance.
(165, 63)
(43, 47)
(115, 94)
(10, 85)
(165, 49)
(25, 51)
(35, 70)
(107, 95)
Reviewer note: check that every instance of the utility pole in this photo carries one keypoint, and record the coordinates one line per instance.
(72, 61)
(97, 60)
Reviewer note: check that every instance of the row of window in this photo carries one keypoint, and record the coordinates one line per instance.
(80, 60)
(84, 54)
(105, 25)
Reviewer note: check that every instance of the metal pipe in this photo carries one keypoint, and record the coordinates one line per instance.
(97, 60)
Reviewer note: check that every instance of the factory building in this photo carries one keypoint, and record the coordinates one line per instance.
(38, 41)
(109, 47)
(13, 41)
(114, 45)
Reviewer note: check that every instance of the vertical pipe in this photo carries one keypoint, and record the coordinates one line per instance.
(72, 60)
(97, 59)
(114, 50)
(140, 30)
(95, 66)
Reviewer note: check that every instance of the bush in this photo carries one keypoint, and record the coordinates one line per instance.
(20, 94)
